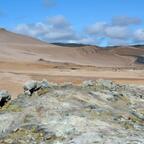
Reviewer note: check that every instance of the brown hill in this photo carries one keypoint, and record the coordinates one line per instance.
(128, 50)
(24, 58)
(12, 38)
(20, 48)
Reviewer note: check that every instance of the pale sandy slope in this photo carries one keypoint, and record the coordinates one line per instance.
(20, 55)
(21, 48)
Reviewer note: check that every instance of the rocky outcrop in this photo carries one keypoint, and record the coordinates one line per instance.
(93, 112)
(4, 97)
(32, 86)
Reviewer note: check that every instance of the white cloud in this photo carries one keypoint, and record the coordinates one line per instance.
(125, 21)
(59, 29)
(96, 29)
(53, 29)
(139, 35)
(60, 35)
(59, 22)
(108, 31)
(117, 32)
(85, 40)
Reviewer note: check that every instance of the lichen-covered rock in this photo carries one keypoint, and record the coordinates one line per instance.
(138, 115)
(32, 86)
(93, 112)
(88, 83)
(9, 122)
(4, 97)
(101, 85)
(44, 84)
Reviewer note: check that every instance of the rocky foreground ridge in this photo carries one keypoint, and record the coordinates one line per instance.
(99, 112)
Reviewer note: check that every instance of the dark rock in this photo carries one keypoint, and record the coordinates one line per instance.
(4, 97)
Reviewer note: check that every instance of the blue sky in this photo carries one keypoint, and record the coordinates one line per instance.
(101, 22)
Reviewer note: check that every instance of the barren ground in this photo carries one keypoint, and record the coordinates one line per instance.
(14, 74)
(23, 58)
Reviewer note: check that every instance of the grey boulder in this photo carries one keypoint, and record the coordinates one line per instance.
(32, 86)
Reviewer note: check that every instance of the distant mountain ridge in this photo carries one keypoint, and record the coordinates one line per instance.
(72, 44)
(81, 45)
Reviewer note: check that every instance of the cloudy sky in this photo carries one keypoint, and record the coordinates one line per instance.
(100, 22)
